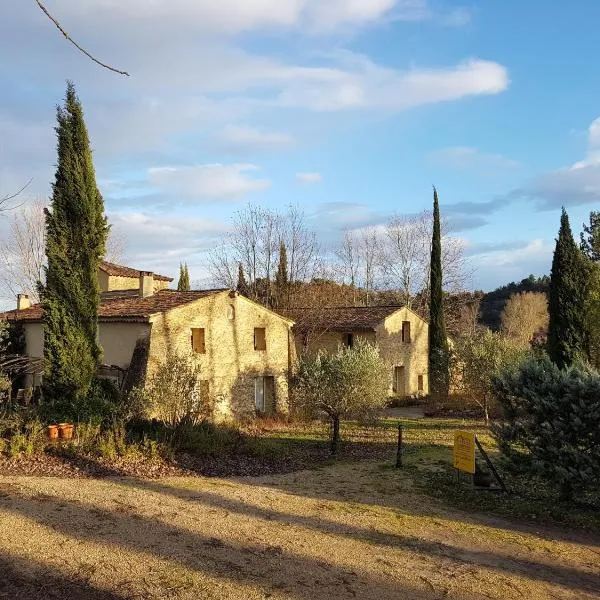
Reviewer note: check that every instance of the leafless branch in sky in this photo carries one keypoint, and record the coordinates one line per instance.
(70, 39)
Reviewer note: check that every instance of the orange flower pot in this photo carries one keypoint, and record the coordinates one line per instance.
(65, 431)
(52, 431)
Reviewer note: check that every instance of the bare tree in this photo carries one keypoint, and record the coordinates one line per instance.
(348, 254)
(23, 252)
(254, 243)
(524, 315)
(370, 249)
(406, 255)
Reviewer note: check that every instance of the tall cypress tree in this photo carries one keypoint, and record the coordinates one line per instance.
(183, 284)
(281, 279)
(242, 284)
(438, 341)
(567, 299)
(76, 232)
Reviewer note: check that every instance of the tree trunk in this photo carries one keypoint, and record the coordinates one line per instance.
(335, 435)
(486, 413)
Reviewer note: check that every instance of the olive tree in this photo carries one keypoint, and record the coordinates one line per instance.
(173, 393)
(351, 383)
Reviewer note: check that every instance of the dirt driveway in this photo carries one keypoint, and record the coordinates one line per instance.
(345, 531)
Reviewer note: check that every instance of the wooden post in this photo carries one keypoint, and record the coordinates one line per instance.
(399, 451)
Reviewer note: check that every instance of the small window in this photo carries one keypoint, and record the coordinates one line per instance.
(420, 383)
(398, 384)
(230, 312)
(349, 340)
(406, 332)
(198, 340)
(260, 338)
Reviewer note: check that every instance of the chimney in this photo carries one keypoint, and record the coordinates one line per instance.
(23, 301)
(146, 284)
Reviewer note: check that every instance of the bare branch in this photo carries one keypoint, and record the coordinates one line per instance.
(6, 199)
(80, 48)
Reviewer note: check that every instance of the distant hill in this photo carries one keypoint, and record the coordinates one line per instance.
(492, 303)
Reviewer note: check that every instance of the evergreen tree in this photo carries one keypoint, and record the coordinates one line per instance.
(567, 299)
(590, 237)
(76, 232)
(242, 285)
(438, 341)
(183, 284)
(281, 279)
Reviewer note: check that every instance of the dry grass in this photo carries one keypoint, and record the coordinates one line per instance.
(350, 530)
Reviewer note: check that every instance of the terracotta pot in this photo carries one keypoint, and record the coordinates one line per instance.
(65, 431)
(52, 431)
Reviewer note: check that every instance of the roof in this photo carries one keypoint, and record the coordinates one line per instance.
(136, 310)
(121, 271)
(339, 318)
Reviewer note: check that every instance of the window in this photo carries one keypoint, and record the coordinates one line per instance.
(260, 338)
(420, 383)
(198, 340)
(264, 394)
(406, 332)
(398, 384)
(349, 340)
(230, 312)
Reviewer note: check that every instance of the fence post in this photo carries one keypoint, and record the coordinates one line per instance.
(399, 451)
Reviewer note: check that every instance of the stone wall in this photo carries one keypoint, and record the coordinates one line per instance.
(413, 355)
(230, 364)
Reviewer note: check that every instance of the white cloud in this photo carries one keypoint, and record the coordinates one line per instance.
(208, 182)
(358, 83)
(248, 139)
(576, 185)
(236, 16)
(468, 158)
(309, 178)
(458, 17)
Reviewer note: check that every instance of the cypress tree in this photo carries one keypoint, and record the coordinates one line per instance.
(281, 279)
(590, 237)
(242, 285)
(567, 299)
(438, 341)
(76, 232)
(183, 284)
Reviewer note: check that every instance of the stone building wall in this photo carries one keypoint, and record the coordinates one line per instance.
(230, 363)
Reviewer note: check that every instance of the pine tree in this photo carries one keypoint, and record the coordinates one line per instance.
(76, 232)
(183, 284)
(281, 279)
(567, 299)
(438, 341)
(242, 285)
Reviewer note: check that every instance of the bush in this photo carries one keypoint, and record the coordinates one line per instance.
(351, 383)
(552, 422)
(172, 394)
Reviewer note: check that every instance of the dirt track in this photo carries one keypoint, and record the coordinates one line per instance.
(346, 531)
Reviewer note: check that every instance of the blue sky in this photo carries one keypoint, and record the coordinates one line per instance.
(351, 108)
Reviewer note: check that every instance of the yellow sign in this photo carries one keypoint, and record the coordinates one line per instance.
(464, 451)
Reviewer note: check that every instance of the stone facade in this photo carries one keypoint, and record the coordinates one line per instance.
(230, 364)
(407, 360)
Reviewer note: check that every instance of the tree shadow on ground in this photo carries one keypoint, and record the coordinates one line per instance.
(560, 575)
(267, 566)
(22, 579)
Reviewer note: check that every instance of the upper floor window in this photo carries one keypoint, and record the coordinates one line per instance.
(198, 340)
(260, 338)
(406, 331)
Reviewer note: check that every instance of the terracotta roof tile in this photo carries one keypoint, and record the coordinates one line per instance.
(121, 271)
(125, 309)
(343, 318)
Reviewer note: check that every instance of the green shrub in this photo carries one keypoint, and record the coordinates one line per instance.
(551, 422)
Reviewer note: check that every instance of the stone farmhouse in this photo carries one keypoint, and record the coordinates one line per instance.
(401, 335)
(245, 351)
